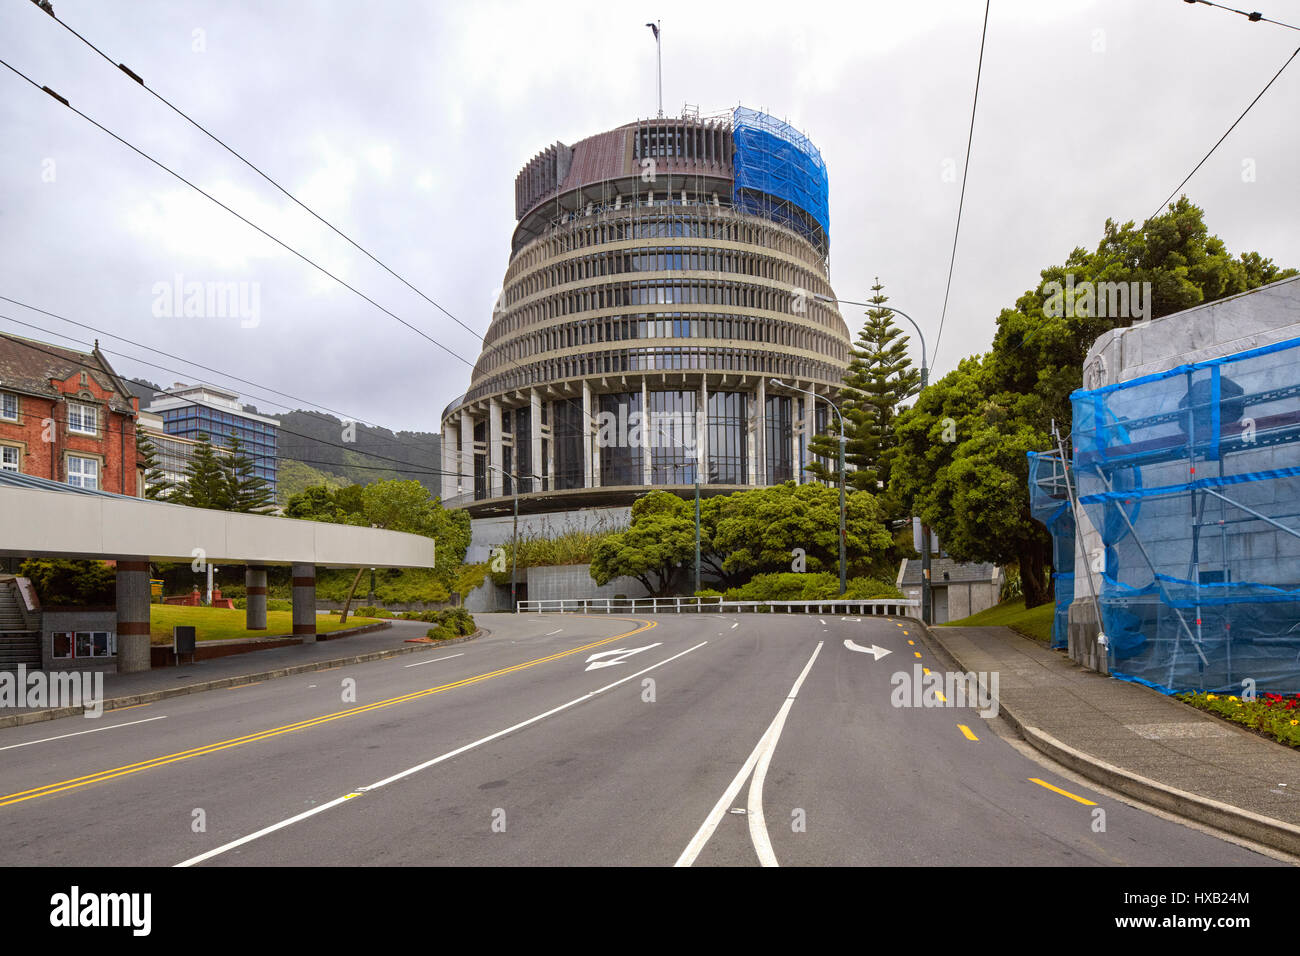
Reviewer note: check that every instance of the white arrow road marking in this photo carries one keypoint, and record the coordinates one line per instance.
(876, 652)
(410, 771)
(594, 660)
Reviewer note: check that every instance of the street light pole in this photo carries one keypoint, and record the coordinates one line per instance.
(925, 380)
(843, 539)
(514, 534)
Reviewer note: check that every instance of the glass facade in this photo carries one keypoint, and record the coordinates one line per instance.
(779, 425)
(670, 436)
(568, 431)
(726, 445)
(620, 438)
(258, 438)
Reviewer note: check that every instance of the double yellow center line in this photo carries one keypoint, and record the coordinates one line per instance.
(103, 775)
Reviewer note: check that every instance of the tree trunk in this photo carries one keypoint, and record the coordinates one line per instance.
(1034, 583)
(343, 615)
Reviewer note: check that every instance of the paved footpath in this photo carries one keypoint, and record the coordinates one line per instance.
(1136, 740)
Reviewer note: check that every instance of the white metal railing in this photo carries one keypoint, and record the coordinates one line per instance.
(897, 607)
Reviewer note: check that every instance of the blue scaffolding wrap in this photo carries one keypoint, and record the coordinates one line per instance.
(1049, 502)
(1191, 480)
(774, 161)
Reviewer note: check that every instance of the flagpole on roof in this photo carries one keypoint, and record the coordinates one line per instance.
(659, 53)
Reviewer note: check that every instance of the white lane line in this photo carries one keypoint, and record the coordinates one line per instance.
(435, 660)
(45, 740)
(427, 764)
(557, 631)
(715, 816)
(821, 621)
(757, 824)
(736, 625)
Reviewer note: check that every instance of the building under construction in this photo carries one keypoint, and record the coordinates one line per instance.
(1175, 508)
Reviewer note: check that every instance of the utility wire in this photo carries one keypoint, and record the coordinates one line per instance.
(212, 136)
(1161, 207)
(66, 358)
(266, 388)
(1252, 17)
(979, 69)
(209, 196)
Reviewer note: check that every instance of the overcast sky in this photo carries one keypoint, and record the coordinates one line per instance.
(405, 123)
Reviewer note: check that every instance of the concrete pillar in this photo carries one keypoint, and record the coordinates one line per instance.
(588, 420)
(496, 486)
(702, 431)
(132, 615)
(304, 602)
(465, 470)
(535, 438)
(645, 432)
(796, 462)
(255, 592)
(809, 430)
(450, 467)
(758, 452)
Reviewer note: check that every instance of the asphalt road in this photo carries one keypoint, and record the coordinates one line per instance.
(723, 740)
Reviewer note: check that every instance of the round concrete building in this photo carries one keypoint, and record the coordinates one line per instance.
(660, 275)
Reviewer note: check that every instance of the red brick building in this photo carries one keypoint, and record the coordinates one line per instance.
(67, 416)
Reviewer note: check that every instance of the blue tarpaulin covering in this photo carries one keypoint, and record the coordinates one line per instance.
(1191, 479)
(774, 161)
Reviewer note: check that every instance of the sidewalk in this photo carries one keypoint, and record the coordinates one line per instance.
(126, 690)
(1135, 740)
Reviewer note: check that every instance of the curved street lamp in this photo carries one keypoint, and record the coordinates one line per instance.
(925, 380)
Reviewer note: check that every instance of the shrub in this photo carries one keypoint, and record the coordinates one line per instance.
(272, 604)
(440, 633)
(61, 582)
(819, 586)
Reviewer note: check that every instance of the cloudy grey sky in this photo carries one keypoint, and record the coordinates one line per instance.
(405, 123)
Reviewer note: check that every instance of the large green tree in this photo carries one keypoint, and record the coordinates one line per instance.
(960, 462)
(880, 377)
(248, 491)
(206, 483)
(654, 549)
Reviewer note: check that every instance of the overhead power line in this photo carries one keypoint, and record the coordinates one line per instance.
(311, 406)
(1252, 17)
(284, 245)
(124, 69)
(970, 137)
(65, 358)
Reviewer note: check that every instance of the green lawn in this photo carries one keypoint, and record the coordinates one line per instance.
(1035, 623)
(219, 624)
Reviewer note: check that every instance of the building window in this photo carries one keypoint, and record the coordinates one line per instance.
(82, 419)
(9, 406)
(8, 458)
(83, 472)
(71, 644)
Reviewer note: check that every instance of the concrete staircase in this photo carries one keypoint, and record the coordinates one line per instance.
(18, 644)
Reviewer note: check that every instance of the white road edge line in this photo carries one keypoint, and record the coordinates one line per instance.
(556, 631)
(424, 766)
(734, 626)
(766, 746)
(46, 740)
(435, 660)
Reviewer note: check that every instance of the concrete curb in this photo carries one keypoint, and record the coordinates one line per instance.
(1222, 816)
(133, 700)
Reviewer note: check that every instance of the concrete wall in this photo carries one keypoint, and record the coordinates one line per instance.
(38, 521)
(487, 533)
(80, 619)
(574, 581)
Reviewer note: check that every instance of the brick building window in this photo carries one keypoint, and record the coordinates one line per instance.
(9, 406)
(83, 472)
(82, 419)
(8, 458)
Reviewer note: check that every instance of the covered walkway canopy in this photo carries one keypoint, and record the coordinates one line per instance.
(43, 518)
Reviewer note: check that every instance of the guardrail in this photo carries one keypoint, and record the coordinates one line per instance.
(896, 607)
